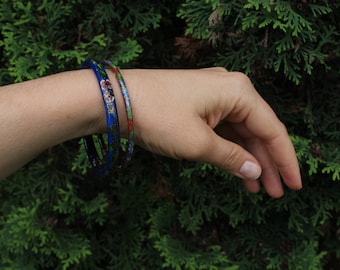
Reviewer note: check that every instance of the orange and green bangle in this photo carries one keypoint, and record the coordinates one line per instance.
(128, 107)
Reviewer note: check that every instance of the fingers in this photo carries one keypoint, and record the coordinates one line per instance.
(270, 176)
(273, 137)
(252, 186)
(256, 119)
(225, 131)
(227, 155)
(269, 159)
(276, 156)
(283, 155)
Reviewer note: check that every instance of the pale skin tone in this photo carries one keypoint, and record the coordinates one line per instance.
(208, 115)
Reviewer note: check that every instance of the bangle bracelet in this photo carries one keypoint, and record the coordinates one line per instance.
(128, 108)
(112, 121)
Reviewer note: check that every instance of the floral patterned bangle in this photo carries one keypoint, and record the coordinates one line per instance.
(128, 107)
(112, 152)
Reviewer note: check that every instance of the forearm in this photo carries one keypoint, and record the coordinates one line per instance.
(38, 114)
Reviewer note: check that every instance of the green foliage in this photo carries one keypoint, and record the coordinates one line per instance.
(166, 214)
(28, 241)
(36, 36)
(292, 37)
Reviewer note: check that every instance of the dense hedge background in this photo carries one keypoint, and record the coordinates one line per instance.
(161, 213)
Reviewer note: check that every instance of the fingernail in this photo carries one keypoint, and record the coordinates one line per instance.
(250, 170)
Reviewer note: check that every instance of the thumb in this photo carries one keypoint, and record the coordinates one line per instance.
(230, 157)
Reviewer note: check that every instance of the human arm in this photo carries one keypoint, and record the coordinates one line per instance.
(206, 115)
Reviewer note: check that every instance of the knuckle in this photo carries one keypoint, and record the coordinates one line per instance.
(236, 80)
(220, 69)
(242, 80)
(281, 130)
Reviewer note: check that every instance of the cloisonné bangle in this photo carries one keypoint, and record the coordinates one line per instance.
(128, 107)
(111, 153)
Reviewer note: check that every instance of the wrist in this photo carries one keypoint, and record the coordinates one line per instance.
(111, 148)
(97, 121)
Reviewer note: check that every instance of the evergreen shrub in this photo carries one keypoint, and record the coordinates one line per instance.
(165, 214)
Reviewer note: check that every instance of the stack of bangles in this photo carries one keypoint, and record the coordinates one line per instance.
(110, 151)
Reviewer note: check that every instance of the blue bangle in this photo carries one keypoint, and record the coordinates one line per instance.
(112, 152)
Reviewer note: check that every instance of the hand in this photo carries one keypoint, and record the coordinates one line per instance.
(213, 116)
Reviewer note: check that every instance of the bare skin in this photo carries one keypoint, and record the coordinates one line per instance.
(208, 115)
